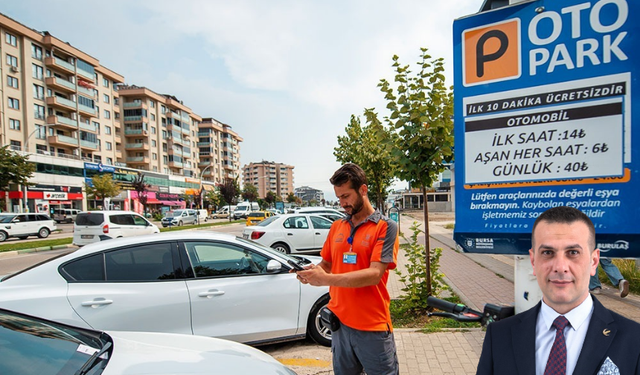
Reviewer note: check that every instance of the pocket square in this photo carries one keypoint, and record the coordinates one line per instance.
(609, 368)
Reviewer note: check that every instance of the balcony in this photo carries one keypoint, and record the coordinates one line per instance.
(133, 118)
(62, 103)
(59, 64)
(60, 84)
(135, 132)
(88, 75)
(136, 146)
(88, 127)
(86, 92)
(87, 111)
(137, 160)
(134, 104)
(62, 122)
(176, 164)
(62, 140)
(88, 145)
(117, 138)
(118, 154)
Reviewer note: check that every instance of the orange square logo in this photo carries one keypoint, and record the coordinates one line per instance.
(491, 53)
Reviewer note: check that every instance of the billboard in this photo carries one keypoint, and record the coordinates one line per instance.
(546, 96)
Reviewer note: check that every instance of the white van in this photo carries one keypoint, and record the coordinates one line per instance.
(223, 212)
(23, 225)
(65, 215)
(243, 209)
(203, 216)
(95, 226)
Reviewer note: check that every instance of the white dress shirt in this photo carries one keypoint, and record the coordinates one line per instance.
(574, 334)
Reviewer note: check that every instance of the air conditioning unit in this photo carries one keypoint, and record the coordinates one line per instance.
(15, 69)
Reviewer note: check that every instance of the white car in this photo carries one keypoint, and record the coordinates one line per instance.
(291, 233)
(33, 346)
(23, 225)
(96, 226)
(206, 283)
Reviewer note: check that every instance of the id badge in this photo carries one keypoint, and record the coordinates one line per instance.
(349, 258)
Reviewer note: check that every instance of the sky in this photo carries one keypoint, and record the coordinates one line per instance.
(285, 75)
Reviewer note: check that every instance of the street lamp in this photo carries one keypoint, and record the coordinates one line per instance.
(25, 199)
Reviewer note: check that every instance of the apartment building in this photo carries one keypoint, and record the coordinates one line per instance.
(307, 193)
(159, 132)
(75, 118)
(219, 151)
(269, 176)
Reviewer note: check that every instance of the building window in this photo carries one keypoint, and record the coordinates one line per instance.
(14, 124)
(41, 132)
(14, 103)
(37, 71)
(154, 156)
(108, 145)
(36, 52)
(38, 112)
(12, 82)
(12, 61)
(163, 109)
(38, 92)
(106, 98)
(11, 39)
(153, 117)
(107, 129)
(109, 161)
(154, 143)
(105, 83)
(107, 114)
(16, 145)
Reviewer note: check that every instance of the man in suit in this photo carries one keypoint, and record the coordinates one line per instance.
(595, 339)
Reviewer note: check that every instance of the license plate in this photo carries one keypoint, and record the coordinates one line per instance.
(86, 236)
(245, 236)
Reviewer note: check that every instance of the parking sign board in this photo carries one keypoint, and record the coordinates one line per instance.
(545, 101)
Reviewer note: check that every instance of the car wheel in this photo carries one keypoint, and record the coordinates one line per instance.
(3, 236)
(43, 233)
(281, 247)
(180, 223)
(316, 329)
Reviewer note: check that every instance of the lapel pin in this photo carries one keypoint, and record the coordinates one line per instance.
(606, 332)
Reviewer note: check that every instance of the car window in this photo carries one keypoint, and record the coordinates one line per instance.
(90, 219)
(21, 218)
(84, 269)
(6, 218)
(267, 221)
(320, 223)
(139, 220)
(140, 263)
(216, 259)
(122, 219)
(299, 222)
(42, 217)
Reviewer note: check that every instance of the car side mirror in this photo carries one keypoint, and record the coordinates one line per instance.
(274, 266)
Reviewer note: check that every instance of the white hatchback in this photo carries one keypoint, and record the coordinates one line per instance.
(95, 226)
(291, 233)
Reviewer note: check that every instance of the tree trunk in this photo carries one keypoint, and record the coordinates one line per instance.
(427, 246)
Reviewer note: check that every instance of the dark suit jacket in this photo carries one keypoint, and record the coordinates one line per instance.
(509, 345)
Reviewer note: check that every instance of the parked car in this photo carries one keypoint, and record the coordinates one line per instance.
(224, 212)
(35, 346)
(24, 225)
(65, 215)
(206, 283)
(243, 209)
(291, 233)
(180, 217)
(257, 216)
(203, 216)
(329, 213)
(95, 226)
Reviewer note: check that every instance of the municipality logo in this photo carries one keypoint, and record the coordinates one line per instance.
(618, 245)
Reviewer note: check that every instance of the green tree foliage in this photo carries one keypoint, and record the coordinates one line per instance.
(142, 188)
(365, 146)
(270, 198)
(291, 198)
(214, 198)
(14, 168)
(421, 126)
(104, 186)
(250, 193)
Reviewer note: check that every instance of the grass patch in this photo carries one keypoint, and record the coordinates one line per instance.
(449, 226)
(628, 270)
(22, 245)
(175, 228)
(405, 318)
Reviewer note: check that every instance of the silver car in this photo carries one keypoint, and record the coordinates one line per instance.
(180, 217)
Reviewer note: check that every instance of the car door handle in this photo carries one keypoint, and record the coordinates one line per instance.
(289, 234)
(317, 234)
(211, 293)
(97, 302)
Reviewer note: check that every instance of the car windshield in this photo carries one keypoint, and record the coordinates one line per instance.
(266, 248)
(257, 214)
(268, 221)
(32, 346)
(6, 218)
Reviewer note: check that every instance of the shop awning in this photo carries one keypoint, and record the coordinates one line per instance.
(170, 203)
(208, 187)
(153, 201)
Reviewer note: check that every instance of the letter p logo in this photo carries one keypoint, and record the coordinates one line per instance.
(491, 53)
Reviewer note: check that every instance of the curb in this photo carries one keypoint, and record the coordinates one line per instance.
(44, 248)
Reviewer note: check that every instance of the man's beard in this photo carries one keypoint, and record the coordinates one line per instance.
(358, 205)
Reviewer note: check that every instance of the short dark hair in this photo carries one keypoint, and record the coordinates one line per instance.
(349, 172)
(566, 215)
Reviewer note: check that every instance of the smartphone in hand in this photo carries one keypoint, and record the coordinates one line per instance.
(296, 266)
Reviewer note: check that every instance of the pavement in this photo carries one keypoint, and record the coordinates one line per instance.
(477, 279)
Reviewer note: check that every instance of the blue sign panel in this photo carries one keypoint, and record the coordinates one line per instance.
(546, 95)
(99, 167)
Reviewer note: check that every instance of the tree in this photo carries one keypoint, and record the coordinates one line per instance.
(213, 198)
(421, 126)
(229, 191)
(270, 198)
(103, 187)
(141, 188)
(14, 169)
(250, 193)
(291, 198)
(366, 147)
